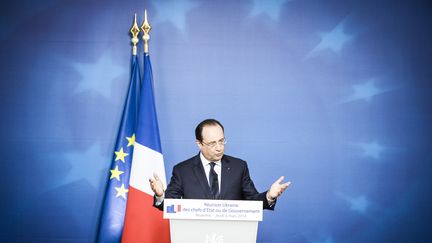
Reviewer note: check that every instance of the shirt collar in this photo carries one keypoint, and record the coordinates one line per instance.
(206, 161)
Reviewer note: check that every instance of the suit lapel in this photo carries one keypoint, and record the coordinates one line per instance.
(199, 172)
(225, 178)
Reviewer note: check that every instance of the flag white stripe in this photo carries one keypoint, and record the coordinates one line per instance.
(145, 162)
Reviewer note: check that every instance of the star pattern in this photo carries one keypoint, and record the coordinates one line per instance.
(359, 204)
(120, 155)
(121, 191)
(271, 9)
(173, 12)
(313, 84)
(89, 165)
(116, 173)
(334, 40)
(131, 140)
(372, 150)
(325, 240)
(98, 77)
(365, 91)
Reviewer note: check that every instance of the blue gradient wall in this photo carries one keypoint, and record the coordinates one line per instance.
(333, 94)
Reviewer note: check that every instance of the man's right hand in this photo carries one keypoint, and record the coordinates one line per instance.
(156, 185)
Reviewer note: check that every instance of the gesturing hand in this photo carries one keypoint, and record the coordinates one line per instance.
(156, 185)
(277, 188)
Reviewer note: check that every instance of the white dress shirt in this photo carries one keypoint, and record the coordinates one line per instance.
(207, 167)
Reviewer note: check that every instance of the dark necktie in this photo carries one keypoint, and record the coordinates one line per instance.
(214, 182)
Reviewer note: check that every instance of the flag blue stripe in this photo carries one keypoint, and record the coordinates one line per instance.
(148, 130)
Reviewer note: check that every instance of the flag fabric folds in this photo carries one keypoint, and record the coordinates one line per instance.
(143, 222)
(128, 214)
(114, 206)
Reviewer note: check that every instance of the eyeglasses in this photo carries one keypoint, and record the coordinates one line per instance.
(213, 144)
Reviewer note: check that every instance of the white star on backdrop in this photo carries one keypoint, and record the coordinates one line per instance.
(359, 204)
(325, 240)
(87, 165)
(372, 150)
(173, 12)
(333, 40)
(269, 8)
(98, 76)
(365, 91)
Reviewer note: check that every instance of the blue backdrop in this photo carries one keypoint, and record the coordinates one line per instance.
(333, 94)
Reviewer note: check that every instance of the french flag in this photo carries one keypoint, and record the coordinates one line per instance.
(143, 222)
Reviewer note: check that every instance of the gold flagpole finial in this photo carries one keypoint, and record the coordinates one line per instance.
(135, 32)
(145, 27)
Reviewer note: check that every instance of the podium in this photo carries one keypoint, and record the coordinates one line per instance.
(213, 221)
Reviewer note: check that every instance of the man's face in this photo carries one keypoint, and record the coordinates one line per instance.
(212, 145)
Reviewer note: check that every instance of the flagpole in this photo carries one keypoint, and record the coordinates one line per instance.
(135, 32)
(145, 27)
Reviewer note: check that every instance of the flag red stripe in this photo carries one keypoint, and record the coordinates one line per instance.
(143, 222)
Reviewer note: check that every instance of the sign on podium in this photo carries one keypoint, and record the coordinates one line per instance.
(213, 221)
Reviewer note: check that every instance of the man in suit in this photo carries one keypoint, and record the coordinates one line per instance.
(213, 175)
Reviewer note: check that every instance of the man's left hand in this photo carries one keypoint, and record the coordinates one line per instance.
(277, 188)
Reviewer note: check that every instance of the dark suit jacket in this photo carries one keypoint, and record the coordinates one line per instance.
(189, 181)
